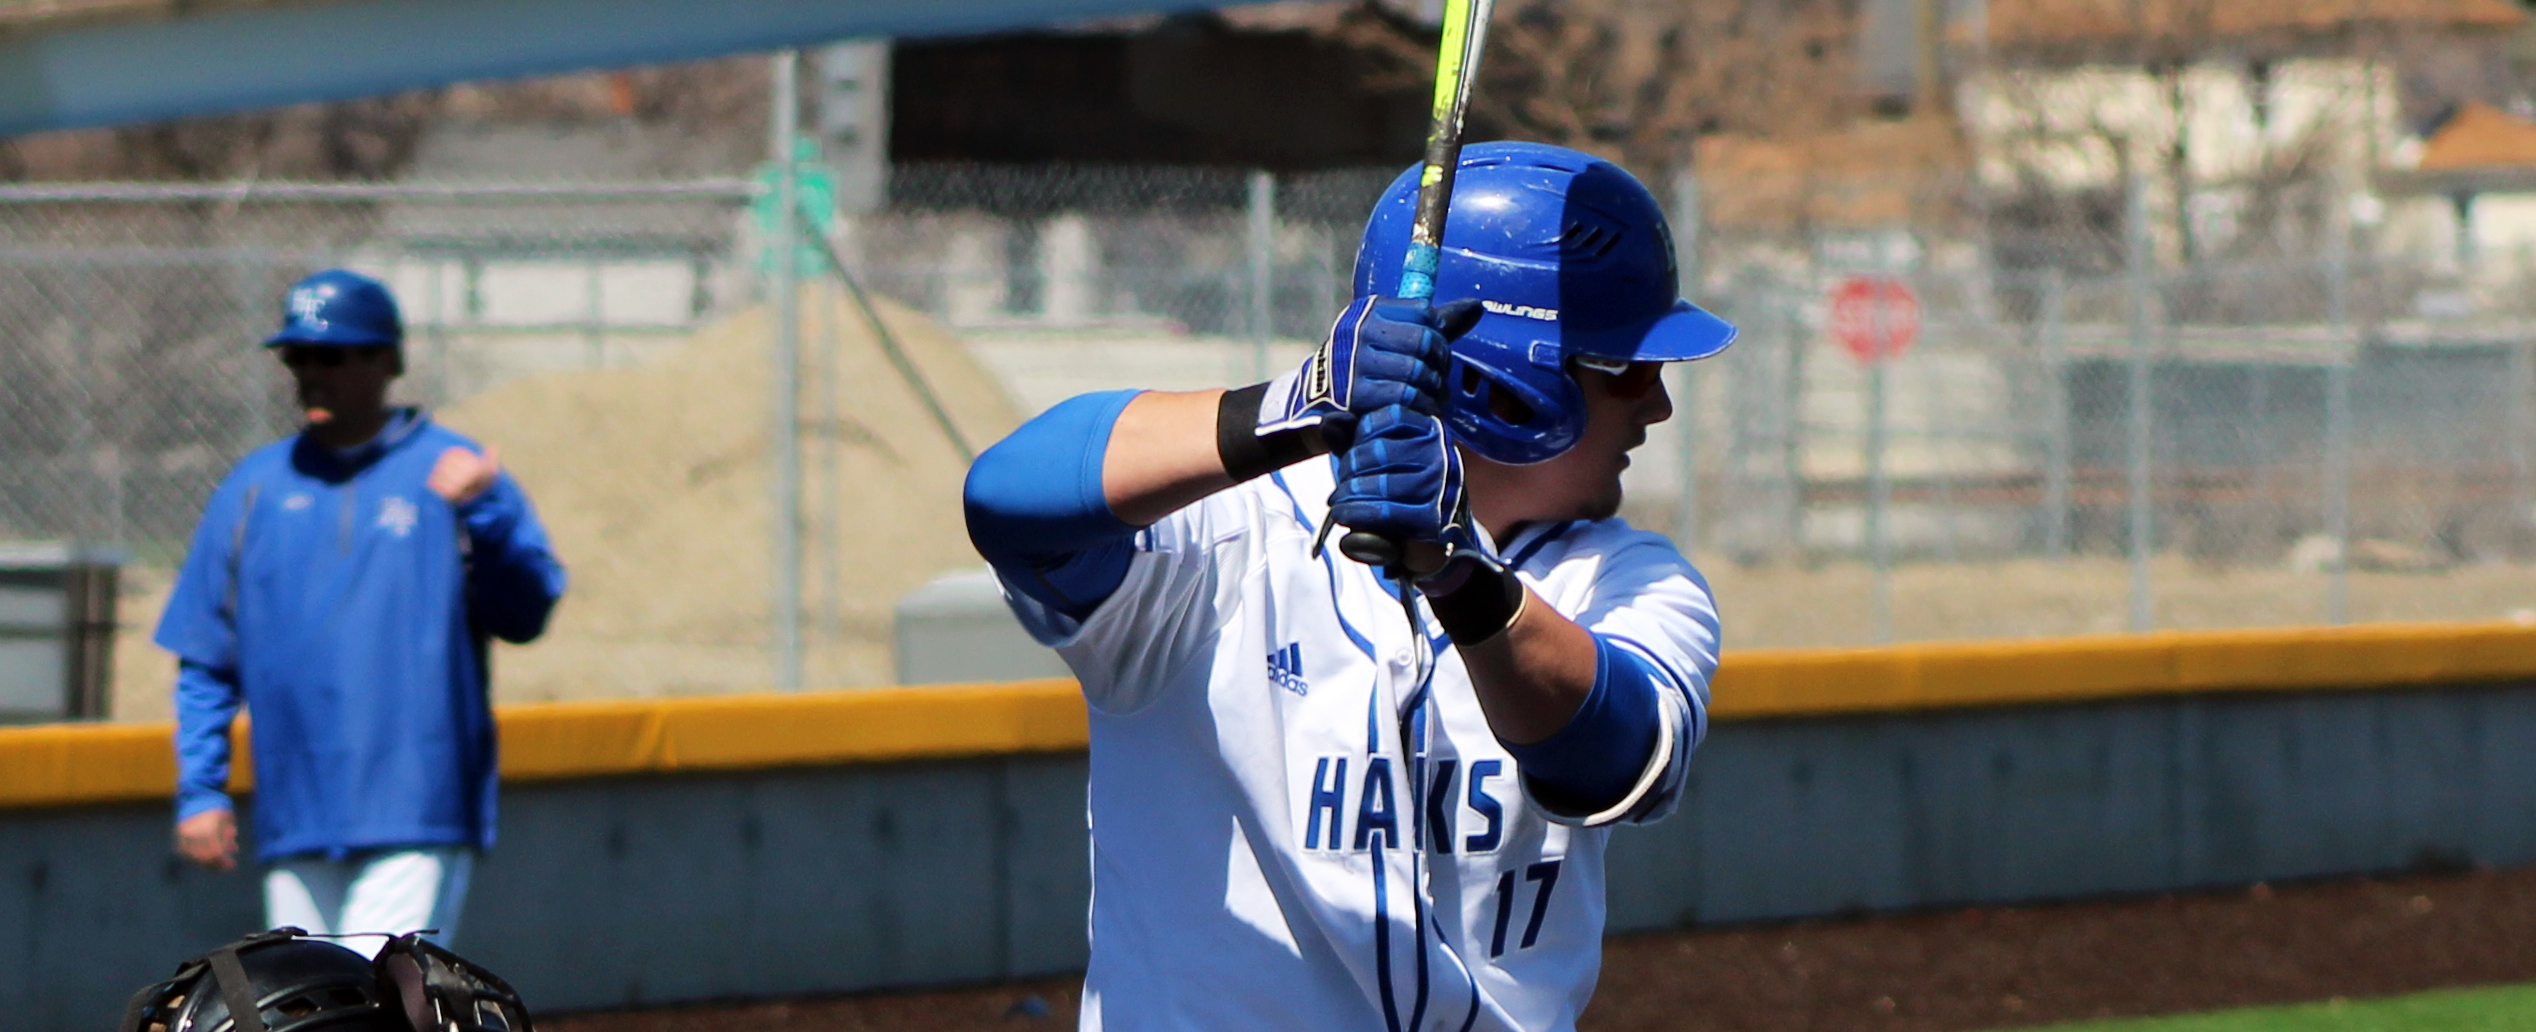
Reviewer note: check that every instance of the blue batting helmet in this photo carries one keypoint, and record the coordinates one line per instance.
(339, 308)
(1569, 255)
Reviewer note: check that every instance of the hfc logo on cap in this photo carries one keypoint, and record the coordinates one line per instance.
(306, 303)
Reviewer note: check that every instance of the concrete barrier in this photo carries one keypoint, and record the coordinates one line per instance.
(666, 851)
(1801, 818)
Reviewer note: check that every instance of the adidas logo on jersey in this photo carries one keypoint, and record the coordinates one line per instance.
(1285, 669)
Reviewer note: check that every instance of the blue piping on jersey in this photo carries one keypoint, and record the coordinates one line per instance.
(1418, 696)
(1415, 715)
(1417, 1011)
(1363, 644)
(1373, 745)
(1524, 555)
(1373, 739)
(1382, 942)
(1416, 729)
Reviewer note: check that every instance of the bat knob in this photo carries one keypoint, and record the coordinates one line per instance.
(1371, 549)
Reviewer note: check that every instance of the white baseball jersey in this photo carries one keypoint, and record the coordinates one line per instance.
(1290, 831)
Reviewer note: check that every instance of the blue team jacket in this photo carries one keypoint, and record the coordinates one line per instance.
(348, 606)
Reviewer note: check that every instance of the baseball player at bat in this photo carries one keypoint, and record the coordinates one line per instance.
(1307, 812)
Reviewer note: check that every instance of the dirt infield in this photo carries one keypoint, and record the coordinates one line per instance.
(2004, 968)
(1929, 972)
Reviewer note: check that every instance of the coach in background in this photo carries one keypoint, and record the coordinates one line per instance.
(342, 584)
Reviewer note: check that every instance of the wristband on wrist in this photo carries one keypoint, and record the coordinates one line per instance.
(1245, 451)
(1482, 606)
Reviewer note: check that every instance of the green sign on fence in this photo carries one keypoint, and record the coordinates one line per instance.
(815, 191)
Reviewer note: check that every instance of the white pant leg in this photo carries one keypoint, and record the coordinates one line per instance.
(306, 893)
(406, 890)
(457, 873)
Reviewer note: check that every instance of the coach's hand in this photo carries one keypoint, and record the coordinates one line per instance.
(1382, 352)
(210, 838)
(1403, 479)
(461, 475)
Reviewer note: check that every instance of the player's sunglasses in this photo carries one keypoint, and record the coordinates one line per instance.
(1623, 379)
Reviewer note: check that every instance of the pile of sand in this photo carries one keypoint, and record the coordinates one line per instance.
(657, 483)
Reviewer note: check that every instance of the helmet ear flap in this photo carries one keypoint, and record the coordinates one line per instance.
(1467, 387)
(1510, 408)
(1474, 392)
(1516, 415)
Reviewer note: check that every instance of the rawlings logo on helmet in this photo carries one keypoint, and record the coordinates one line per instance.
(1520, 311)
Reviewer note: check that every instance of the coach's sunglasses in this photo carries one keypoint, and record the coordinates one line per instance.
(323, 358)
(1629, 381)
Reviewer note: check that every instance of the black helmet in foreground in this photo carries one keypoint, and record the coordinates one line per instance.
(282, 981)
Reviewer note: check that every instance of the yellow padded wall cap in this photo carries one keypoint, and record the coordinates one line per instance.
(738, 732)
(66, 764)
(1812, 682)
(77, 764)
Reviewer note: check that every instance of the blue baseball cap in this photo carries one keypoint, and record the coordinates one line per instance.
(339, 308)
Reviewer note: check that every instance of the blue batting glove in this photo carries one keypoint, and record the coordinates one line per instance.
(1402, 479)
(1381, 352)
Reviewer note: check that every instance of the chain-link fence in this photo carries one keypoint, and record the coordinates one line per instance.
(131, 381)
(2092, 432)
(2083, 430)
(618, 341)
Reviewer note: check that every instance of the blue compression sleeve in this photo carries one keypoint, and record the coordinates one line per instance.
(1592, 763)
(206, 703)
(1037, 513)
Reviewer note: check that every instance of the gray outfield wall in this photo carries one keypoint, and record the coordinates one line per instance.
(647, 890)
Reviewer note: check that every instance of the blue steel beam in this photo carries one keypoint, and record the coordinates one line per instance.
(120, 74)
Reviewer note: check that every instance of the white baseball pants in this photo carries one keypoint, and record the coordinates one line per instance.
(373, 896)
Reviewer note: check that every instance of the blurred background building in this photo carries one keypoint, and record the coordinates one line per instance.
(2221, 307)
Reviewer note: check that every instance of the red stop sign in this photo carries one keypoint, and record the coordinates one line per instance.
(1874, 317)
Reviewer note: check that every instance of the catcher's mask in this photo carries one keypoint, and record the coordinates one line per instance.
(283, 981)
